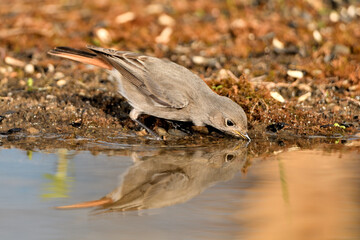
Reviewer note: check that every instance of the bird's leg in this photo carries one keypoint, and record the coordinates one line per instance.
(147, 129)
(134, 114)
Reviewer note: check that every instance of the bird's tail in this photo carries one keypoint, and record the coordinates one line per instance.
(96, 203)
(80, 56)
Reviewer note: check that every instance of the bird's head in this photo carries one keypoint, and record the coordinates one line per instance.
(229, 117)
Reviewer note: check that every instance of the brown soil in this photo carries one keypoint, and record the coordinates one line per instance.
(242, 49)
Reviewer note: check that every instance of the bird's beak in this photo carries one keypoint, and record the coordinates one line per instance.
(244, 136)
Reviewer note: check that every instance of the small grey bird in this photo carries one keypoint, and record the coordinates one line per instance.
(163, 89)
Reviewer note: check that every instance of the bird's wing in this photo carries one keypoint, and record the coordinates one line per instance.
(150, 75)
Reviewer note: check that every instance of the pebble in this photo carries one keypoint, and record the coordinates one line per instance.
(61, 83)
(125, 17)
(225, 73)
(199, 60)
(295, 73)
(154, 9)
(3, 70)
(304, 97)
(277, 97)
(32, 130)
(4, 81)
(58, 75)
(238, 23)
(29, 68)
(277, 43)
(51, 68)
(317, 36)
(166, 20)
(50, 97)
(334, 16)
(351, 11)
(22, 83)
(305, 87)
(103, 35)
(164, 36)
(14, 62)
(354, 87)
(341, 49)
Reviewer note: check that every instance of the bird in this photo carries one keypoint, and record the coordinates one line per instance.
(163, 89)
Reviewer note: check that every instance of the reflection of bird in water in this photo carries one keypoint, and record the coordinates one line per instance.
(170, 177)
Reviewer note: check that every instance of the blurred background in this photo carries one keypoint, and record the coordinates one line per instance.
(265, 55)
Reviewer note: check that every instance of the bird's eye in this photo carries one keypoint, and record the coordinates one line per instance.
(229, 157)
(229, 123)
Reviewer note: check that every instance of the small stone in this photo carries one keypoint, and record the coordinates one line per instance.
(3, 70)
(304, 97)
(22, 83)
(295, 73)
(58, 75)
(4, 81)
(199, 60)
(277, 97)
(351, 11)
(154, 8)
(341, 50)
(334, 16)
(223, 74)
(305, 87)
(354, 87)
(238, 23)
(317, 36)
(103, 35)
(29, 68)
(277, 44)
(32, 130)
(50, 97)
(166, 20)
(51, 68)
(201, 129)
(164, 36)
(125, 17)
(14, 62)
(61, 83)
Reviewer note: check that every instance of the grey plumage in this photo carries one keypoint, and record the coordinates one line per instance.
(164, 89)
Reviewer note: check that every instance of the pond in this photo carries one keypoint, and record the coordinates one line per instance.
(220, 191)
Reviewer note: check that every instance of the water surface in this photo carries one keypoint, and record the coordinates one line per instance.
(212, 192)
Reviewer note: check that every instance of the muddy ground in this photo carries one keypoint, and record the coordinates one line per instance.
(292, 65)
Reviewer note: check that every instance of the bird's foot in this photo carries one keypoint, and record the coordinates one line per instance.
(148, 129)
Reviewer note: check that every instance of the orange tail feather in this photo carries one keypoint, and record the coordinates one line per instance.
(80, 56)
(95, 203)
